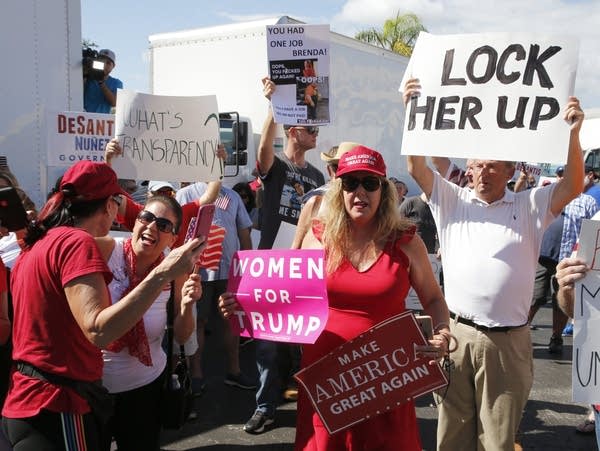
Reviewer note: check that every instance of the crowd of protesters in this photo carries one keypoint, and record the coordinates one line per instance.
(91, 318)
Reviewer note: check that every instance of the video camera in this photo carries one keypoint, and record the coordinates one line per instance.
(93, 65)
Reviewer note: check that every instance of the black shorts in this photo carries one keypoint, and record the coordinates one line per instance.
(544, 287)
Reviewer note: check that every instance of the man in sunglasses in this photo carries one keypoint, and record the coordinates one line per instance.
(492, 236)
(279, 173)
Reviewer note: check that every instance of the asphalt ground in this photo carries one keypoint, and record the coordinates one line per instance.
(548, 422)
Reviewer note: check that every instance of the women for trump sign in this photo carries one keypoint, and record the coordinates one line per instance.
(281, 294)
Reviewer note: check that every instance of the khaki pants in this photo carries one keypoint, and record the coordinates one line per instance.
(488, 389)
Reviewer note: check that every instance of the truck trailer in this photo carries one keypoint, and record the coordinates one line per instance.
(230, 61)
(43, 40)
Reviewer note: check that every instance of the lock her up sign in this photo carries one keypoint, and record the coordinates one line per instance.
(493, 96)
(282, 294)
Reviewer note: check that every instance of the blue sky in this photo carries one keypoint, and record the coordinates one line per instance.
(124, 26)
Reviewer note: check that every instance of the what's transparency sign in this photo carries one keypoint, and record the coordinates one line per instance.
(281, 293)
(73, 136)
(167, 137)
(482, 93)
(586, 310)
(371, 374)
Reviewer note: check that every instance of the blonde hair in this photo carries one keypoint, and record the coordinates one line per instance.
(338, 225)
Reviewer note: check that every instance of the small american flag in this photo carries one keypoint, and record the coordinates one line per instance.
(211, 256)
(222, 201)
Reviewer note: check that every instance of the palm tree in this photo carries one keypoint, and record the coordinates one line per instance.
(398, 35)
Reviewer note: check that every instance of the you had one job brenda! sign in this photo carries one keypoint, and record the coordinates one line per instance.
(281, 293)
(497, 96)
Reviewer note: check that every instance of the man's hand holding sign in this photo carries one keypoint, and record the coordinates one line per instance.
(504, 87)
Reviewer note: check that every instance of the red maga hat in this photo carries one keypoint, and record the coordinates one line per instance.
(92, 181)
(361, 158)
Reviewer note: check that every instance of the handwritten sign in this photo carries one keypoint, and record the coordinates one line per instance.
(282, 294)
(412, 300)
(482, 93)
(73, 136)
(586, 337)
(299, 66)
(167, 137)
(371, 374)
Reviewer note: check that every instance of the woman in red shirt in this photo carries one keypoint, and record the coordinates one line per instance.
(63, 314)
(373, 257)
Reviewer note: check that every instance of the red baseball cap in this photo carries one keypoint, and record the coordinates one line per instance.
(361, 158)
(92, 181)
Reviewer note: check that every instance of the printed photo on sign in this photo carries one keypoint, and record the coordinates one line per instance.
(281, 293)
(299, 66)
(167, 137)
(505, 87)
(371, 374)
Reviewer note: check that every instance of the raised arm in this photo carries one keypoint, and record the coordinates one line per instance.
(187, 291)
(571, 184)
(213, 188)
(441, 164)
(521, 182)
(112, 150)
(101, 322)
(266, 154)
(417, 165)
(211, 193)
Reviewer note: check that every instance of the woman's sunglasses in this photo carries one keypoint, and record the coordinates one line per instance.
(369, 183)
(162, 224)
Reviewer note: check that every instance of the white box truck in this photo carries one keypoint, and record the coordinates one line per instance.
(230, 61)
(41, 44)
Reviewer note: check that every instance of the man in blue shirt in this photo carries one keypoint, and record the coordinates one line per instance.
(99, 96)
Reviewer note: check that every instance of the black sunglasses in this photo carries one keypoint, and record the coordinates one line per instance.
(310, 130)
(369, 183)
(162, 224)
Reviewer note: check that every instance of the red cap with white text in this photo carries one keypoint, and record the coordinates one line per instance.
(361, 158)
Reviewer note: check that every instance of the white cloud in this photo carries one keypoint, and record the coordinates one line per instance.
(576, 17)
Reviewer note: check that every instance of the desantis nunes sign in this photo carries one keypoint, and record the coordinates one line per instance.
(281, 293)
(371, 374)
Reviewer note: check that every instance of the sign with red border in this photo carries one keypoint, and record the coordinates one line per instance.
(371, 374)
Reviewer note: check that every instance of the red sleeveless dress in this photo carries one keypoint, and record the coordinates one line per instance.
(357, 302)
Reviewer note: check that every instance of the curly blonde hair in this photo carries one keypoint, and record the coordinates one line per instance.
(338, 225)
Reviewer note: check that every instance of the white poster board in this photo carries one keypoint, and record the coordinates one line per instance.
(299, 65)
(167, 137)
(492, 96)
(73, 136)
(412, 300)
(586, 332)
